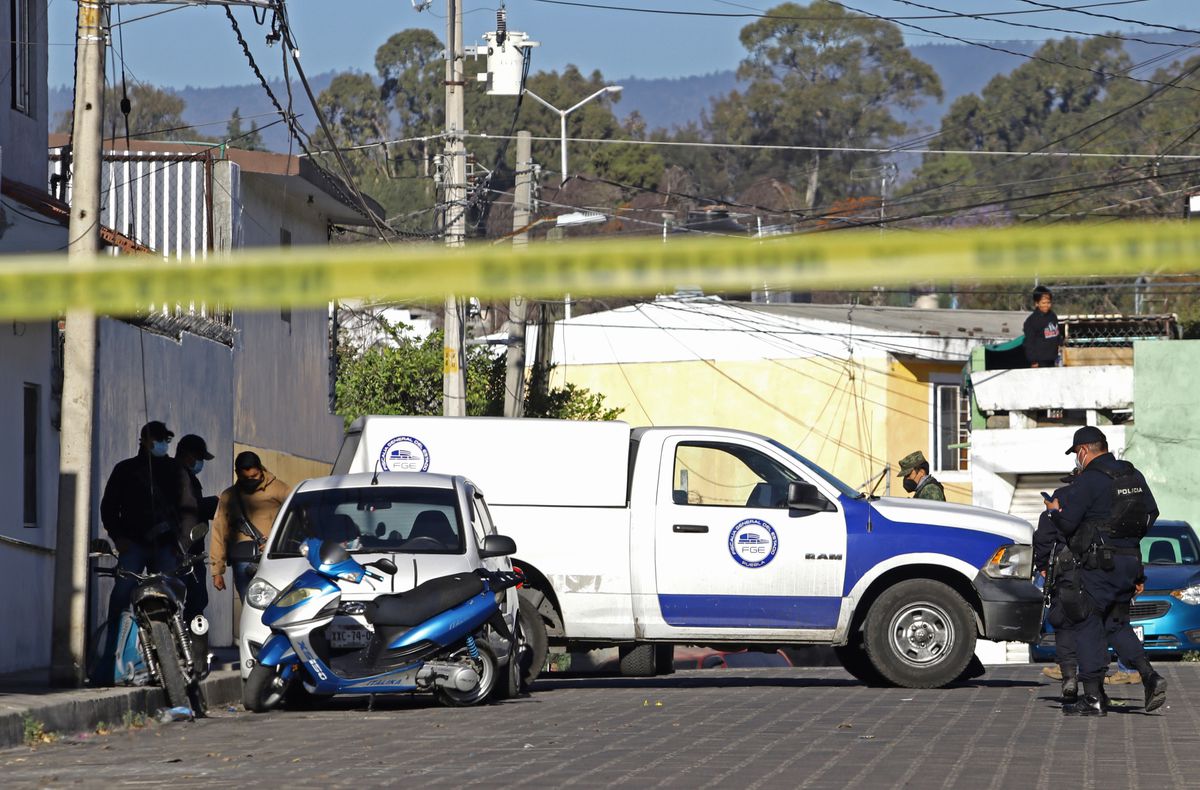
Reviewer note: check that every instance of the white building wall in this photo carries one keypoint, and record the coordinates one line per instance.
(26, 571)
(23, 135)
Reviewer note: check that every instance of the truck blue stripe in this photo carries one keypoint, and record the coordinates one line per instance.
(865, 550)
(750, 611)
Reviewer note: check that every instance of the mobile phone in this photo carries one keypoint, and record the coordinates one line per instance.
(1047, 497)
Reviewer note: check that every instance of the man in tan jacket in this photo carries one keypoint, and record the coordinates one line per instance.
(255, 499)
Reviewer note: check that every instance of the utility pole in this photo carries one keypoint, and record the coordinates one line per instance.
(79, 362)
(514, 378)
(454, 386)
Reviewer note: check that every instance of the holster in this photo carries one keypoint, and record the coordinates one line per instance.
(1068, 589)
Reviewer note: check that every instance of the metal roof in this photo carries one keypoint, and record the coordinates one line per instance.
(984, 324)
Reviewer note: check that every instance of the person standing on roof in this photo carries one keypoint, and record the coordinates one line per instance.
(1043, 338)
(914, 469)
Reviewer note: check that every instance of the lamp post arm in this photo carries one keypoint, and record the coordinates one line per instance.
(577, 105)
(543, 102)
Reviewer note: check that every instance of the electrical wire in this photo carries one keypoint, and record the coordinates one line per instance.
(1080, 10)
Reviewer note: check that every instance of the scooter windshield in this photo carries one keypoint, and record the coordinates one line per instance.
(332, 559)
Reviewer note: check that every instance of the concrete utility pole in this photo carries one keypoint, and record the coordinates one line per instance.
(454, 385)
(79, 362)
(514, 378)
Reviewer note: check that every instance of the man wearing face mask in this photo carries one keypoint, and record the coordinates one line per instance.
(249, 505)
(190, 453)
(917, 480)
(1110, 508)
(140, 512)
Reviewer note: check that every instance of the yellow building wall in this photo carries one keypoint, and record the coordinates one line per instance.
(850, 417)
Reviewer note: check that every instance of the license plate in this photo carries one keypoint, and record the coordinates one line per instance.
(349, 637)
(1140, 632)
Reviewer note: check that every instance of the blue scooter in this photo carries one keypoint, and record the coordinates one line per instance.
(430, 639)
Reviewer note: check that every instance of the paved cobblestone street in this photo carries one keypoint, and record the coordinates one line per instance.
(811, 728)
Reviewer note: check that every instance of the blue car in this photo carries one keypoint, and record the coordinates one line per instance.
(1167, 613)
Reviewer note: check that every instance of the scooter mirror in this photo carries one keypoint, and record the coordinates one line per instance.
(385, 565)
(198, 532)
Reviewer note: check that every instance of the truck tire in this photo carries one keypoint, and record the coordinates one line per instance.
(920, 634)
(174, 684)
(637, 660)
(854, 659)
(536, 644)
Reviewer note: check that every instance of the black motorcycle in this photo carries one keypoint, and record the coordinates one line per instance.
(175, 654)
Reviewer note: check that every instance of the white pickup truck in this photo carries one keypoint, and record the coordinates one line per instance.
(650, 537)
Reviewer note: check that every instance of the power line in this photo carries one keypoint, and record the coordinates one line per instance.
(1080, 10)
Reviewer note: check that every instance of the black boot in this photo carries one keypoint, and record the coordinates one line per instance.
(1090, 703)
(1154, 683)
(1070, 683)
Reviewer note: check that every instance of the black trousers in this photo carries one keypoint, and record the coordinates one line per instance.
(1109, 594)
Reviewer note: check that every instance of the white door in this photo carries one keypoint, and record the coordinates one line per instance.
(730, 554)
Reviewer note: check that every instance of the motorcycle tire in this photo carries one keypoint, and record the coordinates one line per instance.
(489, 676)
(261, 692)
(174, 684)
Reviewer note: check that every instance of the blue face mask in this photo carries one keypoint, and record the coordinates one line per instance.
(158, 449)
(197, 467)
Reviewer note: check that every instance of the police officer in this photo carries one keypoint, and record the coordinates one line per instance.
(1048, 541)
(1108, 506)
(917, 480)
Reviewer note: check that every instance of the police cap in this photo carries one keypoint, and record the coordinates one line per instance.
(1088, 434)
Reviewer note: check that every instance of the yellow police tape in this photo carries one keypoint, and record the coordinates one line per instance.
(42, 287)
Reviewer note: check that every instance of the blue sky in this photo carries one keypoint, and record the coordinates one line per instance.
(195, 46)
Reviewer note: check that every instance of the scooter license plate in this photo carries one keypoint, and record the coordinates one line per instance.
(341, 638)
(1140, 632)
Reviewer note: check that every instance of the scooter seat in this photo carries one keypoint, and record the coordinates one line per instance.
(423, 601)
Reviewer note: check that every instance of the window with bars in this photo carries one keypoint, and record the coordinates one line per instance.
(951, 424)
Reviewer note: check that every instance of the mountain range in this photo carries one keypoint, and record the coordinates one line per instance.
(662, 102)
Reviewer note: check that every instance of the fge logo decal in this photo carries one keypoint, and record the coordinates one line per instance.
(753, 542)
(404, 454)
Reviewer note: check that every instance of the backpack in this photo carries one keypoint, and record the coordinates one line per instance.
(1131, 512)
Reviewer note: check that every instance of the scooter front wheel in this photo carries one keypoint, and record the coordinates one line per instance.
(264, 689)
(489, 673)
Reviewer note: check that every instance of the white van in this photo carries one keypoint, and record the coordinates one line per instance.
(644, 538)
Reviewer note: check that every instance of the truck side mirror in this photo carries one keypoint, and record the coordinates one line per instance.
(497, 546)
(806, 498)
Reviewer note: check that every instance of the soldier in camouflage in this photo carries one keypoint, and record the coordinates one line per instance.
(914, 469)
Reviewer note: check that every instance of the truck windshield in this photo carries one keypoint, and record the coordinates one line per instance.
(844, 489)
(373, 520)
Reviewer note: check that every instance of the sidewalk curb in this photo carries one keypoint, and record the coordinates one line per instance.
(69, 712)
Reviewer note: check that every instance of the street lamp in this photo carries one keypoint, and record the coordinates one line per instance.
(562, 117)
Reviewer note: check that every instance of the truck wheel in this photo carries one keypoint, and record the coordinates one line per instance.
(637, 660)
(854, 659)
(920, 634)
(533, 640)
(173, 682)
(508, 684)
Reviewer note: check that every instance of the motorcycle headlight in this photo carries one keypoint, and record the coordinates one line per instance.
(260, 593)
(1189, 595)
(298, 595)
(1013, 561)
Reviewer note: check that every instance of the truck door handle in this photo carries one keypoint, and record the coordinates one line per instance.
(689, 528)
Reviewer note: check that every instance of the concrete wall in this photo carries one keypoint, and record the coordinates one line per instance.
(26, 572)
(189, 386)
(1165, 439)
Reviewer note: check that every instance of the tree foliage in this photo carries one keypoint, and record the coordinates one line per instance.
(154, 114)
(816, 75)
(404, 376)
(246, 139)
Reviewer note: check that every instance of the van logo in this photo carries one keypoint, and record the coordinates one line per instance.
(753, 543)
(404, 454)
(822, 556)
